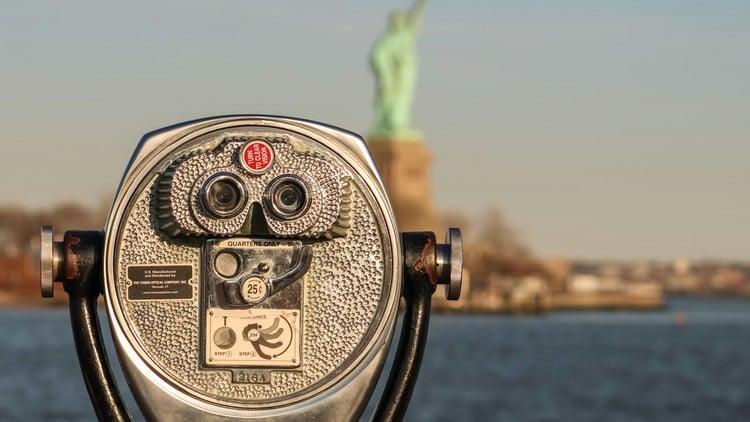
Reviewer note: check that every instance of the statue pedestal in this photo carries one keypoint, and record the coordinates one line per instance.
(405, 168)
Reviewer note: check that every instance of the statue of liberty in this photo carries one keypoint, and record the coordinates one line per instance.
(394, 62)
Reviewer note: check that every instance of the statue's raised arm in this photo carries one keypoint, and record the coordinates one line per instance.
(415, 13)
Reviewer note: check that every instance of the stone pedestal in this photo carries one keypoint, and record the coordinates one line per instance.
(405, 168)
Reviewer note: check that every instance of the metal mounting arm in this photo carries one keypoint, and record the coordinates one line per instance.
(426, 264)
(76, 263)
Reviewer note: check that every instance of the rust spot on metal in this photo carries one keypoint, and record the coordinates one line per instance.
(72, 268)
(426, 262)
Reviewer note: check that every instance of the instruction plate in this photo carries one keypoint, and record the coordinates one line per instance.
(253, 337)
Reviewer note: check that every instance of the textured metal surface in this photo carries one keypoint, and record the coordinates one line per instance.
(178, 204)
(344, 290)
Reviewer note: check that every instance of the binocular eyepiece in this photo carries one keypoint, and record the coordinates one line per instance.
(252, 270)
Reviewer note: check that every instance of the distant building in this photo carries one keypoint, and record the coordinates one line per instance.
(405, 169)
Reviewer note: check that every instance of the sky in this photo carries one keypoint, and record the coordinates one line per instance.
(602, 129)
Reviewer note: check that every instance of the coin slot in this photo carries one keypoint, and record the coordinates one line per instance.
(254, 289)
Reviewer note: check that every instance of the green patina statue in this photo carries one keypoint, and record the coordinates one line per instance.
(394, 62)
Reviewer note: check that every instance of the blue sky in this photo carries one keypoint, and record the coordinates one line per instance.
(605, 129)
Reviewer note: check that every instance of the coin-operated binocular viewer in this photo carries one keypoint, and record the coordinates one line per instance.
(252, 270)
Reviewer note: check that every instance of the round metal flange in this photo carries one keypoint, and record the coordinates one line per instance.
(449, 263)
(455, 243)
(47, 262)
(50, 263)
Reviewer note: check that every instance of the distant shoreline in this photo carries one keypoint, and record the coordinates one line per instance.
(8, 301)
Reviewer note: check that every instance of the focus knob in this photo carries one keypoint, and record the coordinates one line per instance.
(51, 261)
(449, 262)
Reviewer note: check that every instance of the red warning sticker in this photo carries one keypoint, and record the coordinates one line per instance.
(256, 156)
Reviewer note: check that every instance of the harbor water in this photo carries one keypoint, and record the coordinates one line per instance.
(690, 362)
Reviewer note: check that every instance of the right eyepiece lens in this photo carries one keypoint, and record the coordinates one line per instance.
(288, 198)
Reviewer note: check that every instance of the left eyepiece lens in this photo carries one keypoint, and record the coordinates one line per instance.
(223, 195)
